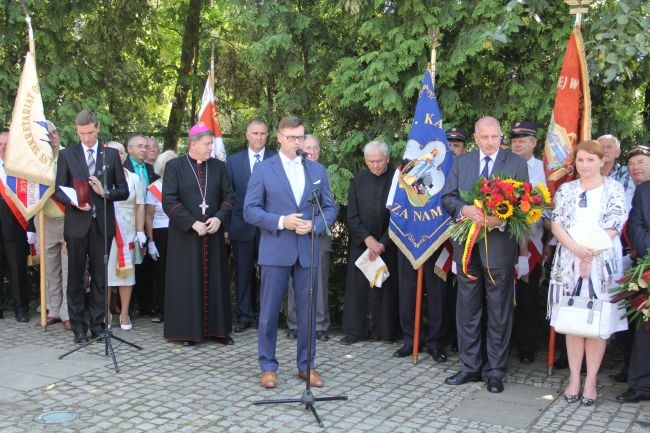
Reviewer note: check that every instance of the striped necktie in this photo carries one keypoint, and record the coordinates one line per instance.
(91, 162)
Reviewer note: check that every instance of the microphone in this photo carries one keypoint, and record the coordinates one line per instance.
(301, 153)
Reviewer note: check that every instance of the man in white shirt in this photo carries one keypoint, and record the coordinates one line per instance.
(523, 141)
(244, 237)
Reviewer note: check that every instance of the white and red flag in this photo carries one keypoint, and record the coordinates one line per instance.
(208, 115)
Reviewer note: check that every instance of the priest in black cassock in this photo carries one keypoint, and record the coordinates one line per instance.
(198, 197)
(370, 312)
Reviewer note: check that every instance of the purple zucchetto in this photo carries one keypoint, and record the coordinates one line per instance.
(199, 130)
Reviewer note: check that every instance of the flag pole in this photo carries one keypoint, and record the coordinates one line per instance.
(212, 66)
(435, 35)
(41, 215)
(577, 8)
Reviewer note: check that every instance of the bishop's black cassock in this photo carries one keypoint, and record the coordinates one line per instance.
(197, 294)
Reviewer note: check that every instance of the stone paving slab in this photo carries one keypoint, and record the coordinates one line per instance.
(210, 388)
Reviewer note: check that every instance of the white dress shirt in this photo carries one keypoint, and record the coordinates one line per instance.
(251, 157)
(482, 156)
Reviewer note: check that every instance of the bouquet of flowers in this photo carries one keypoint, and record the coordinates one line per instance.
(633, 291)
(518, 204)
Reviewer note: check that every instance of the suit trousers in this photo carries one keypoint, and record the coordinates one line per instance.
(435, 297)
(274, 287)
(469, 310)
(56, 269)
(144, 286)
(15, 262)
(322, 294)
(159, 268)
(526, 315)
(639, 374)
(81, 252)
(245, 256)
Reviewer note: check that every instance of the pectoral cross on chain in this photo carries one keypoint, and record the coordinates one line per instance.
(203, 207)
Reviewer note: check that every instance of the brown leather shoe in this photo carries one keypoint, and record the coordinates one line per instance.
(314, 380)
(49, 321)
(67, 326)
(268, 379)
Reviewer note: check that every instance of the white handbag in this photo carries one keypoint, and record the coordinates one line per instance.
(585, 317)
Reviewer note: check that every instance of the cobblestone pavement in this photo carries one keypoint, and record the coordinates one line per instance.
(210, 388)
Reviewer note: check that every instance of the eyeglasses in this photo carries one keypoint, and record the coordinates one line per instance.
(140, 146)
(583, 199)
(294, 138)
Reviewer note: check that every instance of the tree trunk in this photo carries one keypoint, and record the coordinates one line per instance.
(185, 74)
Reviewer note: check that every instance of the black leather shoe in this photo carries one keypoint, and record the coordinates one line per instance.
(632, 396)
(438, 355)
(322, 336)
(80, 338)
(22, 317)
(495, 385)
(226, 341)
(348, 339)
(463, 377)
(526, 357)
(2, 314)
(96, 332)
(292, 333)
(561, 363)
(241, 327)
(621, 377)
(403, 352)
(187, 343)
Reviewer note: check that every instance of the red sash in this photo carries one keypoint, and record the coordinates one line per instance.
(153, 188)
(14, 209)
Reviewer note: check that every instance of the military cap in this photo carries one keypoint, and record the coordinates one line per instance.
(639, 149)
(456, 134)
(523, 128)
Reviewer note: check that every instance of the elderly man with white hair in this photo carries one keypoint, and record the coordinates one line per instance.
(611, 168)
(370, 313)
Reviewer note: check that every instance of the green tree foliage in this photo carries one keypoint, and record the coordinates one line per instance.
(351, 69)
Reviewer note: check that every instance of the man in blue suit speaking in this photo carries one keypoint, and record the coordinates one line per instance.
(278, 201)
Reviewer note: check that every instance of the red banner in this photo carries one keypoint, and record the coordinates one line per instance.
(571, 119)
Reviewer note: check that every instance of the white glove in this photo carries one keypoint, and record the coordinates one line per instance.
(627, 262)
(522, 267)
(31, 238)
(141, 238)
(153, 251)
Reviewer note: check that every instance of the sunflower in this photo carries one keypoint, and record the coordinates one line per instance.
(504, 210)
(545, 192)
(533, 215)
(514, 182)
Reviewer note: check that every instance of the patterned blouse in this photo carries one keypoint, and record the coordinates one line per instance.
(613, 214)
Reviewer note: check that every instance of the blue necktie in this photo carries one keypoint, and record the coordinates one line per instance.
(486, 168)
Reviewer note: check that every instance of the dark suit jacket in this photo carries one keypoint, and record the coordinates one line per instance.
(638, 223)
(150, 173)
(269, 196)
(72, 165)
(239, 170)
(502, 248)
(10, 227)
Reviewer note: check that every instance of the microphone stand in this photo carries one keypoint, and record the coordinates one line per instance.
(107, 333)
(307, 397)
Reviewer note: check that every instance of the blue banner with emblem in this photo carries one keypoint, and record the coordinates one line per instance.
(418, 224)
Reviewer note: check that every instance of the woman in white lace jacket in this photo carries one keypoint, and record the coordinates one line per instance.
(591, 201)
